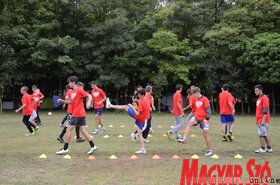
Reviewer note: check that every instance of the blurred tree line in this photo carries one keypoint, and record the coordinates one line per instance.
(122, 43)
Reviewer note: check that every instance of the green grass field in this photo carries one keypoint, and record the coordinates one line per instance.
(20, 163)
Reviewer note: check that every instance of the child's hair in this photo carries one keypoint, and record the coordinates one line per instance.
(73, 79)
(142, 92)
(149, 88)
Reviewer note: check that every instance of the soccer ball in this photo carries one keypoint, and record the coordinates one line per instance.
(49, 113)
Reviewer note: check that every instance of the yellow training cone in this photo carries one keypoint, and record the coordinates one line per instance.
(75, 137)
(86, 126)
(159, 126)
(122, 126)
(135, 126)
(175, 157)
(99, 126)
(133, 157)
(111, 126)
(215, 156)
(120, 136)
(164, 135)
(193, 135)
(113, 157)
(91, 136)
(238, 156)
(172, 126)
(156, 157)
(106, 136)
(67, 157)
(195, 156)
(91, 157)
(43, 156)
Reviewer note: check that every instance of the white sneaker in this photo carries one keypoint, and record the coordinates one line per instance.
(208, 153)
(95, 132)
(260, 150)
(147, 141)
(103, 130)
(141, 151)
(91, 150)
(62, 151)
(133, 137)
(108, 103)
(268, 150)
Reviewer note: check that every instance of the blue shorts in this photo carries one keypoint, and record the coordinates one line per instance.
(98, 111)
(77, 121)
(142, 127)
(227, 118)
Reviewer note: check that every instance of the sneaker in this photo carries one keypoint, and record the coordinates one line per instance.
(95, 132)
(182, 140)
(30, 134)
(208, 153)
(62, 125)
(225, 139)
(60, 139)
(268, 150)
(62, 151)
(108, 103)
(79, 140)
(147, 141)
(36, 128)
(141, 151)
(91, 150)
(260, 150)
(230, 137)
(168, 133)
(133, 137)
(103, 130)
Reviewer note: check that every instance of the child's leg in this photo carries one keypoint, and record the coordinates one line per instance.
(119, 107)
(188, 127)
(141, 139)
(207, 139)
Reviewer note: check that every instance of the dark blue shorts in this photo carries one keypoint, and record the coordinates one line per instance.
(98, 111)
(77, 121)
(227, 118)
(142, 127)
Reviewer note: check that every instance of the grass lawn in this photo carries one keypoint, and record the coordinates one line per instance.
(20, 163)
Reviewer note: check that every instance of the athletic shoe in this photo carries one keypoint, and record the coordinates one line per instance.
(168, 133)
(91, 150)
(108, 103)
(30, 134)
(95, 132)
(147, 141)
(62, 151)
(62, 125)
(260, 150)
(225, 139)
(141, 151)
(60, 139)
(230, 137)
(79, 140)
(103, 130)
(208, 153)
(268, 150)
(182, 140)
(133, 137)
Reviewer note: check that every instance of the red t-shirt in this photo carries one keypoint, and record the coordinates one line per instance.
(149, 97)
(143, 109)
(70, 106)
(177, 97)
(192, 102)
(39, 95)
(77, 98)
(98, 95)
(201, 104)
(36, 99)
(262, 102)
(224, 99)
(233, 99)
(27, 100)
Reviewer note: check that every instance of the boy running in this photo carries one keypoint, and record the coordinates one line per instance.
(27, 111)
(78, 115)
(177, 112)
(226, 111)
(141, 115)
(37, 93)
(262, 119)
(99, 98)
(201, 116)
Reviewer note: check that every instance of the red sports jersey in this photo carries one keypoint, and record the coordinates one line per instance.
(201, 104)
(224, 99)
(98, 95)
(70, 106)
(149, 98)
(177, 97)
(262, 102)
(35, 101)
(192, 102)
(40, 96)
(233, 99)
(143, 109)
(77, 98)
(27, 100)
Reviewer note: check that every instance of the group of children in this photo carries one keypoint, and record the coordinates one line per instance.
(140, 110)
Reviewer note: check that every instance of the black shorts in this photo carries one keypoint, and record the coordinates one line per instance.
(98, 111)
(25, 118)
(77, 121)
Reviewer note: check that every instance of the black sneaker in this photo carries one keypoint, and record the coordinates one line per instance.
(230, 137)
(79, 140)
(60, 139)
(225, 139)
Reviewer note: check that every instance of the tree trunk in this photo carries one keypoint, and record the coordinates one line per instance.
(212, 103)
(273, 102)
(158, 105)
(1, 103)
(242, 107)
(117, 96)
